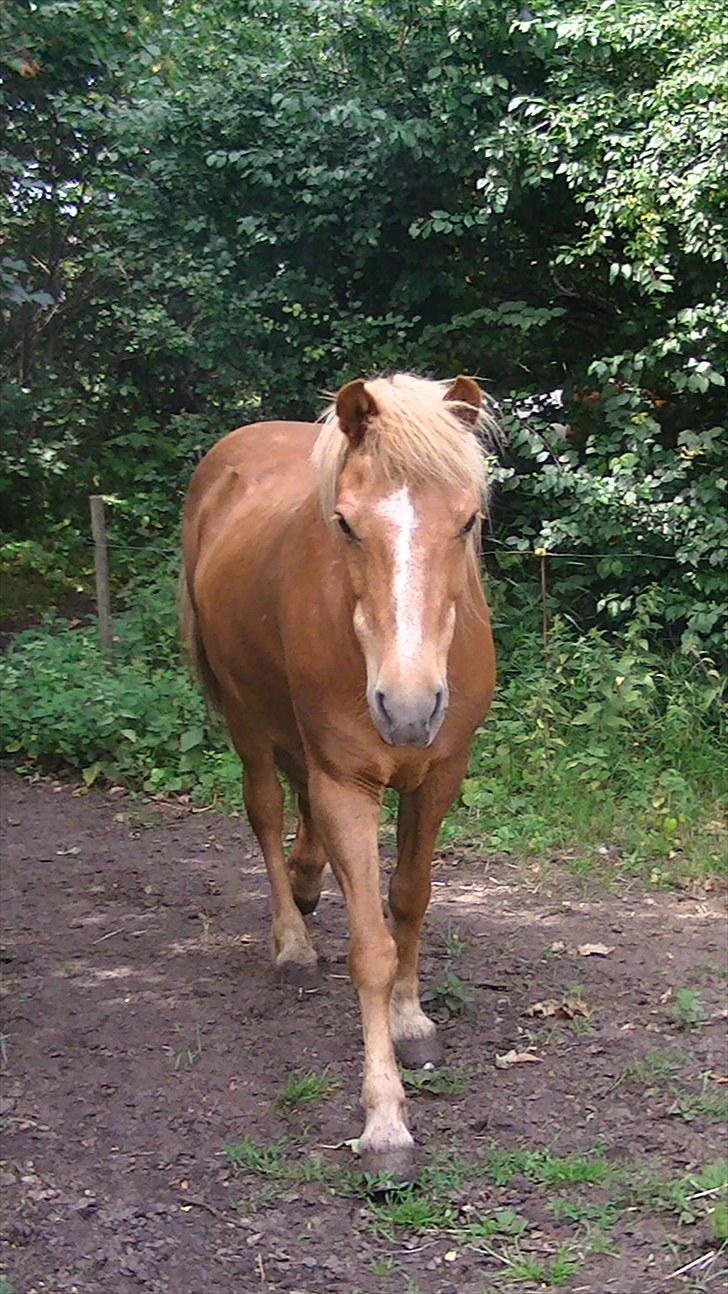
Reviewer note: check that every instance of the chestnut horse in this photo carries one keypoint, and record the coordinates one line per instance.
(332, 604)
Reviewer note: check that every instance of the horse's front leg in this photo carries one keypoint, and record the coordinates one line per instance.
(347, 819)
(420, 815)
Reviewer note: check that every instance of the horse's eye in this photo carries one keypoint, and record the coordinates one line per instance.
(345, 527)
(469, 525)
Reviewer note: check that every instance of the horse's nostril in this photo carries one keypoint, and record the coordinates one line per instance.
(380, 706)
(439, 694)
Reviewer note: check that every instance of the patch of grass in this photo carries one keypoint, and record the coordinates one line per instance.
(315, 1170)
(265, 1161)
(604, 1216)
(666, 1069)
(580, 1024)
(383, 1266)
(302, 1089)
(714, 1177)
(448, 1173)
(555, 1271)
(594, 1239)
(688, 1009)
(436, 1082)
(449, 1197)
(656, 1068)
(412, 1209)
(712, 1106)
(719, 1219)
(547, 1168)
(449, 999)
(261, 1196)
(503, 1222)
(186, 1056)
(689, 1196)
(368, 1186)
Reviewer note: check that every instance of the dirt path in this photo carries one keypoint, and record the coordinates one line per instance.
(143, 1033)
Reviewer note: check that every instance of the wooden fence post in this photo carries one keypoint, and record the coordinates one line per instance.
(542, 555)
(101, 569)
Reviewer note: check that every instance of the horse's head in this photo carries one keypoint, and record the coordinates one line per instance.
(406, 500)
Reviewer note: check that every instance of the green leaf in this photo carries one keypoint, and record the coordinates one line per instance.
(191, 737)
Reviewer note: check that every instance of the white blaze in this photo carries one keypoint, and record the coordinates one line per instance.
(407, 590)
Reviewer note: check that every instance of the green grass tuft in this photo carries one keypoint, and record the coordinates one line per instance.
(265, 1161)
(556, 1271)
(436, 1082)
(302, 1089)
(547, 1168)
(688, 1008)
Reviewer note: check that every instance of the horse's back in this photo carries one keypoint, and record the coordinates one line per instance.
(258, 471)
(238, 509)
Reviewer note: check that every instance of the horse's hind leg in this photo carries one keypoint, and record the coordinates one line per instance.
(294, 954)
(307, 861)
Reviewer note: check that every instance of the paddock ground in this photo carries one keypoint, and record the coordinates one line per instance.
(143, 1033)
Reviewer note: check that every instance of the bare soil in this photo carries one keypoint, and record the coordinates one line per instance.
(144, 1031)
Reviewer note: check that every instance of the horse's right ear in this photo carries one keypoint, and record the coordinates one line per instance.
(354, 406)
(466, 393)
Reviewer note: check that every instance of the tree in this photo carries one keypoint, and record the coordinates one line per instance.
(221, 210)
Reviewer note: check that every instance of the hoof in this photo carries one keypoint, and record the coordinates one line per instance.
(307, 906)
(392, 1167)
(305, 975)
(415, 1053)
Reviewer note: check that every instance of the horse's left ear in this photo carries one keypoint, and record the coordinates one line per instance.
(354, 405)
(466, 392)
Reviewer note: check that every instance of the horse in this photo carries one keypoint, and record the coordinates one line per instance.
(332, 606)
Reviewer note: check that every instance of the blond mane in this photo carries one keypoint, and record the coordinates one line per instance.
(415, 436)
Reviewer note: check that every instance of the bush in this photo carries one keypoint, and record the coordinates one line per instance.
(227, 218)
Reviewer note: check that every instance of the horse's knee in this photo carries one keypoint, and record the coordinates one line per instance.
(373, 962)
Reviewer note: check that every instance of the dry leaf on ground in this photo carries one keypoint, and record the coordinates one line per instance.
(565, 1008)
(516, 1058)
(595, 950)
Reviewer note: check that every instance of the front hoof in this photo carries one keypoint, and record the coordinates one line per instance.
(305, 975)
(391, 1167)
(418, 1053)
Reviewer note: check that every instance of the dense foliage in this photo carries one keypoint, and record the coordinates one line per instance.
(215, 211)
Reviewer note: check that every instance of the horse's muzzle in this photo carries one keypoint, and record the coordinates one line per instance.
(409, 720)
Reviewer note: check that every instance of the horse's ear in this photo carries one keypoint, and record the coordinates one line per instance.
(466, 392)
(354, 405)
